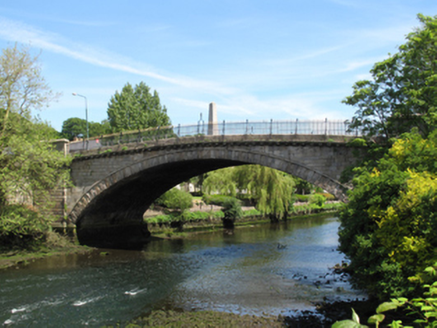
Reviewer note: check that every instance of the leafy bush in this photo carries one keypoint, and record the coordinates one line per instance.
(197, 216)
(423, 309)
(317, 199)
(218, 200)
(232, 209)
(252, 212)
(176, 199)
(301, 198)
(20, 226)
(389, 226)
(328, 196)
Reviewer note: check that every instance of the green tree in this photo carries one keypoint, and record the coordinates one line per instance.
(222, 181)
(402, 93)
(75, 126)
(22, 88)
(271, 190)
(389, 226)
(29, 166)
(136, 108)
(302, 187)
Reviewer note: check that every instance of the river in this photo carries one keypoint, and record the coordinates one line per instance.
(260, 270)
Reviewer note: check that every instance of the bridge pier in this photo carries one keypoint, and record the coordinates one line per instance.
(119, 236)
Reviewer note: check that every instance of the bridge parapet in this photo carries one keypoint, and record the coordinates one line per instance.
(206, 140)
(269, 129)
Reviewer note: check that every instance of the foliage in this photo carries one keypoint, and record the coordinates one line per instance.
(18, 224)
(222, 181)
(75, 126)
(218, 200)
(302, 187)
(135, 108)
(388, 228)
(22, 88)
(176, 199)
(270, 189)
(232, 209)
(403, 91)
(29, 166)
(328, 196)
(317, 199)
(301, 198)
(252, 212)
(423, 309)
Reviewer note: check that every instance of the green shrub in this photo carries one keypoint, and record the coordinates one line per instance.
(422, 310)
(301, 198)
(218, 200)
(317, 199)
(176, 199)
(232, 209)
(20, 226)
(252, 212)
(389, 226)
(328, 196)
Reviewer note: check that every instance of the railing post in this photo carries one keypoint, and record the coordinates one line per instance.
(297, 122)
(247, 126)
(326, 126)
(223, 127)
(271, 126)
(179, 130)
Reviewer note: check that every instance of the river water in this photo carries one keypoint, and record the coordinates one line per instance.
(261, 270)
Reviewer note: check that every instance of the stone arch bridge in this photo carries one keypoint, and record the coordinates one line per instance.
(114, 187)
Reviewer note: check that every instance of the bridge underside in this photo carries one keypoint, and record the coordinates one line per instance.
(114, 218)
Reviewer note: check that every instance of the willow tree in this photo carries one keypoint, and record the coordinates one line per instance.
(222, 181)
(271, 190)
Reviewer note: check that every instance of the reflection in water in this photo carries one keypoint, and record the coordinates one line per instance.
(243, 272)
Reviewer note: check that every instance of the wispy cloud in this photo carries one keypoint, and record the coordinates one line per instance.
(308, 55)
(23, 33)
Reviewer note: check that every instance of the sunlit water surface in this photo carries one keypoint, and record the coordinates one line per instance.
(261, 270)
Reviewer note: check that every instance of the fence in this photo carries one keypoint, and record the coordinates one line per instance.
(271, 127)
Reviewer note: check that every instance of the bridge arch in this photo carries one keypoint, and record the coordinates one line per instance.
(109, 213)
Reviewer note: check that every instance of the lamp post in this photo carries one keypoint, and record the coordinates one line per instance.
(86, 115)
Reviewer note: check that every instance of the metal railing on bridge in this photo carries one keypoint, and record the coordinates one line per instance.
(272, 127)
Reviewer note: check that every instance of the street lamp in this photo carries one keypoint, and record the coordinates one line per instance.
(86, 113)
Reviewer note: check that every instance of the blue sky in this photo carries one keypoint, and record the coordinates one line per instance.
(257, 60)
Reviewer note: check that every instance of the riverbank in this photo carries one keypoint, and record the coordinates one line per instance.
(56, 244)
(213, 222)
(326, 314)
